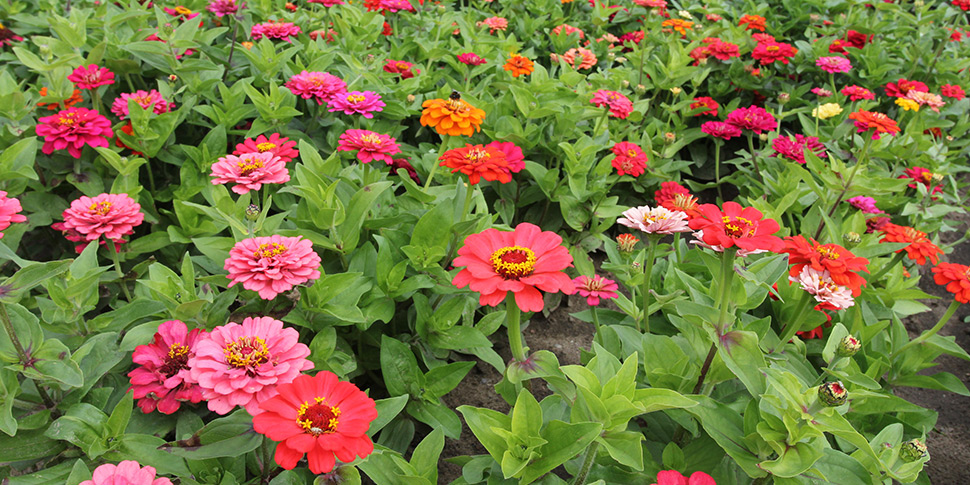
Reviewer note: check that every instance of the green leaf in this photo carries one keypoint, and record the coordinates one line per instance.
(796, 459)
(425, 456)
(837, 467)
(400, 368)
(437, 416)
(483, 423)
(118, 421)
(29, 445)
(17, 160)
(53, 362)
(740, 351)
(656, 399)
(30, 276)
(358, 207)
(387, 410)
(725, 426)
(625, 447)
(9, 389)
(563, 442)
(442, 379)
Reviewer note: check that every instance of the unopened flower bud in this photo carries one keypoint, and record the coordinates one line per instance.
(45, 50)
(851, 238)
(784, 98)
(763, 137)
(848, 346)
(625, 83)
(252, 212)
(685, 14)
(172, 78)
(441, 9)
(640, 89)
(635, 266)
(814, 17)
(949, 138)
(620, 60)
(676, 90)
(918, 3)
(670, 137)
(912, 450)
(937, 178)
(411, 98)
(611, 56)
(626, 242)
(833, 394)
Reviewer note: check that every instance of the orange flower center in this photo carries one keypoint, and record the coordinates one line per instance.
(631, 153)
(738, 226)
(178, 358)
(265, 146)
(772, 48)
(513, 262)
(684, 202)
(477, 155)
(182, 10)
(927, 177)
(828, 253)
(269, 250)
(403, 66)
(355, 98)
(318, 418)
(249, 165)
(142, 100)
(455, 104)
(246, 352)
(100, 208)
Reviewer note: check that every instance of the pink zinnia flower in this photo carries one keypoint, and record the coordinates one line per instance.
(321, 86)
(822, 92)
(654, 220)
(327, 3)
(73, 128)
(396, 5)
(241, 365)
(768, 52)
(794, 150)
(275, 144)
(934, 101)
(272, 265)
(363, 103)
(952, 91)
(275, 30)
(723, 50)
(223, 7)
(160, 382)
(866, 204)
(620, 106)
(522, 261)
(181, 12)
(111, 215)
(826, 291)
(513, 154)
(369, 145)
(127, 472)
(249, 171)
(91, 77)
(595, 288)
(629, 159)
(471, 59)
(9, 212)
(673, 477)
(568, 29)
(752, 118)
(151, 100)
(580, 58)
(856, 93)
(834, 64)
(720, 129)
(494, 23)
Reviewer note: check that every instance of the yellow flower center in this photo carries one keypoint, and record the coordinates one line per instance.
(182, 10)
(402, 66)
(178, 359)
(249, 165)
(101, 208)
(513, 262)
(355, 98)
(177, 350)
(828, 253)
(772, 48)
(477, 155)
(318, 418)
(631, 153)
(269, 250)
(246, 352)
(67, 119)
(371, 138)
(456, 105)
(265, 146)
(738, 226)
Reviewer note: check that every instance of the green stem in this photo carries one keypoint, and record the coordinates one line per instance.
(587, 463)
(835, 92)
(121, 275)
(931, 332)
(788, 331)
(754, 160)
(596, 318)
(863, 158)
(514, 317)
(832, 365)
(25, 359)
(818, 107)
(232, 46)
(717, 170)
(97, 100)
(882, 272)
(645, 289)
(600, 122)
(434, 166)
(727, 279)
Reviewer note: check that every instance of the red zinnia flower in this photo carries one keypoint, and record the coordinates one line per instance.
(161, 381)
(737, 226)
(768, 52)
(900, 88)
(673, 477)
(952, 91)
(857, 39)
(478, 162)
(956, 277)
(629, 159)
(723, 50)
(842, 265)
(523, 261)
(705, 102)
(72, 129)
(920, 247)
(279, 146)
(400, 67)
(878, 122)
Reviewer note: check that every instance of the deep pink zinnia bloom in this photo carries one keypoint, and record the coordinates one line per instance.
(73, 128)
(9, 212)
(723, 50)
(275, 144)
(513, 154)
(152, 100)
(91, 77)
(834, 64)
(866, 204)
(620, 106)
(275, 30)
(321, 86)
(363, 103)
(595, 288)
(241, 365)
(327, 3)
(223, 7)
(113, 216)
(952, 91)
(368, 145)
(794, 149)
(673, 477)
(396, 5)
(249, 171)
(753, 118)
(160, 382)
(127, 472)
(856, 93)
(471, 59)
(629, 159)
(271, 265)
(522, 261)
(720, 129)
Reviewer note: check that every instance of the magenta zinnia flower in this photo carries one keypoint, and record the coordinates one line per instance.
(73, 128)
(655, 220)
(369, 145)
(9, 212)
(834, 64)
(363, 103)
(794, 150)
(866, 204)
(91, 77)
(241, 365)
(223, 7)
(513, 154)
(161, 381)
(720, 129)
(274, 30)
(471, 59)
(327, 3)
(321, 86)
(112, 215)
(595, 288)
(272, 265)
(181, 12)
(127, 472)
(275, 144)
(396, 5)
(752, 118)
(249, 171)
(146, 99)
(620, 106)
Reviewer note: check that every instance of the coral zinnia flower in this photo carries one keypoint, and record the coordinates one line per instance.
(834, 64)
(519, 65)
(794, 150)
(513, 154)
(673, 477)
(399, 67)
(275, 30)
(161, 381)
(768, 52)
(9, 212)
(272, 265)
(737, 226)
(654, 220)
(522, 261)
(568, 29)
(111, 215)
(222, 7)
(127, 472)
(705, 102)
(471, 59)
(72, 129)
(452, 116)
(478, 162)
(901, 88)
(321, 86)
(595, 288)
(368, 145)
(279, 146)
(956, 277)
(754, 118)
(720, 129)
(91, 77)
(753, 22)
(920, 247)
(878, 122)
(934, 101)
(322, 416)
(243, 364)
(494, 23)
(249, 171)
(580, 58)
(363, 103)
(842, 265)
(856, 93)
(150, 100)
(676, 197)
(826, 291)
(620, 106)
(629, 159)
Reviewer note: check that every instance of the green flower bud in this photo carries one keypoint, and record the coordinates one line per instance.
(833, 394)
(912, 450)
(848, 346)
(851, 238)
(252, 212)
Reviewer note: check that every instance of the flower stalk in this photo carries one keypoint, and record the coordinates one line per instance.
(434, 166)
(587, 463)
(931, 332)
(513, 317)
(885, 269)
(789, 329)
(863, 158)
(117, 261)
(645, 288)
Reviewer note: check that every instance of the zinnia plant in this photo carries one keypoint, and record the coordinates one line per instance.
(162, 381)
(272, 265)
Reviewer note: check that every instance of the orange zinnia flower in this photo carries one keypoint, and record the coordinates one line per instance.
(920, 249)
(519, 65)
(870, 120)
(956, 277)
(681, 26)
(71, 101)
(452, 116)
(755, 22)
(478, 162)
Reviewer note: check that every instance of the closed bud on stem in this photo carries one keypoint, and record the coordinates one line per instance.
(621, 59)
(848, 346)
(832, 394)
(763, 137)
(625, 83)
(411, 98)
(676, 90)
(784, 98)
(669, 137)
(611, 56)
(626, 242)
(442, 9)
(636, 265)
(252, 212)
(172, 78)
(912, 450)
(851, 238)
(640, 89)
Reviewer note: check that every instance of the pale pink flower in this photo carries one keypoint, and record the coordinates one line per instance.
(161, 381)
(595, 288)
(580, 58)
(127, 472)
(934, 101)
(620, 106)
(821, 92)
(91, 77)
(113, 216)
(271, 265)
(834, 64)
(820, 284)
(223, 7)
(275, 30)
(241, 365)
(9, 212)
(471, 59)
(654, 220)
(249, 171)
(73, 128)
(321, 86)
(150, 100)
(363, 103)
(369, 145)
(494, 23)
(866, 204)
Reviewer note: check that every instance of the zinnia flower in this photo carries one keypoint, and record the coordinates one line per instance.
(737, 226)
(399, 67)
(629, 159)
(878, 122)
(494, 23)
(720, 129)
(866, 204)
(150, 100)
(676, 197)
(9, 212)
(952, 91)
(272, 265)
(834, 64)
(794, 150)
(75, 98)
(856, 93)
(368, 145)
(223, 7)
(522, 261)
(920, 247)
(921, 176)
(363, 103)
(279, 146)
(900, 88)
(127, 472)
(822, 92)
(723, 50)
(956, 277)
(327, 3)
(471, 59)
(580, 58)
(328, 36)
(91, 77)
(249, 171)
(673, 477)
(321, 416)
(513, 154)
(620, 106)
(321, 86)
(519, 65)
(843, 266)
(753, 22)
(654, 220)
(754, 118)
(857, 39)
(820, 284)
(827, 111)
(72, 129)
(934, 101)
(568, 29)
(112, 215)
(452, 116)
(181, 12)
(704, 102)
(768, 52)
(595, 288)
(243, 364)
(7, 36)
(478, 162)
(162, 380)
(275, 30)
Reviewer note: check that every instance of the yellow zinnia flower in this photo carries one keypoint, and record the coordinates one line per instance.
(907, 104)
(827, 111)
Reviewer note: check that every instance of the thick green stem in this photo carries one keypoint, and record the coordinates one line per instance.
(121, 275)
(25, 359)
(717, 170)
(885, 269)
(931, 332)
(596, 318)
(754, 160)
(587, 463)
(727, 279)
(645, 289)
(434, 166)
(788, 331)
(600, 122)
(513, 318)
(863, 158)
